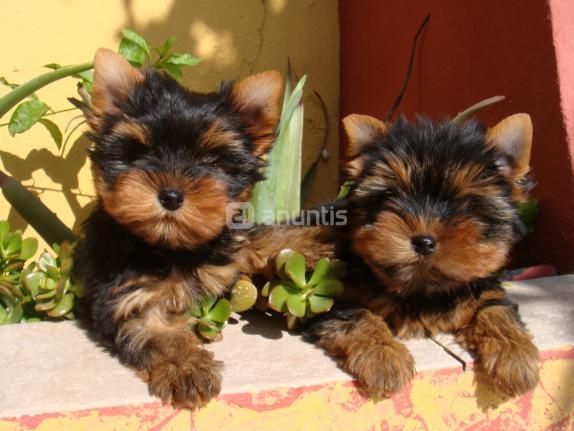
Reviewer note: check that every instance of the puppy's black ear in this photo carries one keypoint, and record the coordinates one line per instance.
(256, 99)
(114, 77)
(361, 130)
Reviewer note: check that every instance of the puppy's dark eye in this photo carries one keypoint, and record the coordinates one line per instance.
(132, 150)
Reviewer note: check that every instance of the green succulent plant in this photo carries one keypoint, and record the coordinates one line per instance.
(210, 317)
(299, 292)
(14, 252)
(50, 286)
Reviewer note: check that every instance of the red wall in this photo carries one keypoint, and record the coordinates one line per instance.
(471, 50)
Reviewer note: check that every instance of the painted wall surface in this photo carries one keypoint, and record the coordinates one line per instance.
(437, 400)
(233, 38)
(472, 50)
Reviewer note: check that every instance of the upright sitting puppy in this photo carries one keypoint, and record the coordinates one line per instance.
(432, 216)
(166, 161)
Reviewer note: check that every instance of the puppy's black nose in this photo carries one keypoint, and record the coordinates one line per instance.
(423, 244)
(170, 199)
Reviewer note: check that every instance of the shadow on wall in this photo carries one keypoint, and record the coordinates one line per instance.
(62, 169)
(233, 39)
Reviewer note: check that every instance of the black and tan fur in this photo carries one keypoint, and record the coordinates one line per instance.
(166, 162)
(456, 188)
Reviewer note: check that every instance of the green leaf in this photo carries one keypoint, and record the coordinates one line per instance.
(321, 271)
(280, 193)
(173, 70)
(166, 46)
(295, 267)
(63, 307)
(26, 115)
(528, 212)
(297, 304)
(220, 312)
(4, 229)
(320, 304)
(16, 313)
(14, 244)
(182, 59)
(28, 248)
(278, 298)
(32, 282)
(54, 131)
(266, 289)
(329, 287)
(243, 296)
(46, 260)
(282, 257)
(87, 78)
(4, 316)
(345, 189)
(208, 330)
(134, 48)
(45, 306)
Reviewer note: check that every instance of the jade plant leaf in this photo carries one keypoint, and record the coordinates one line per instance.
(278, 298)
(243, 296)
(295, 268)
(282, 258)
(220, 312)
(297, 305)
(28, 248)
(320, 304)
(14, 244)
(329, 287)
(63, 307)
(321, 270)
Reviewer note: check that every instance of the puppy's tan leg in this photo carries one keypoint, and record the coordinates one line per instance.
(364, 346)
(507, 359)
(154, 337)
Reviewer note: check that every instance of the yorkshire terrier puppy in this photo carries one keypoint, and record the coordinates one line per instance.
(432, 216)
(166, 162)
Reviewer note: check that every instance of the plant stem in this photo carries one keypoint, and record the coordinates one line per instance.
(25, 90)
(44, 221)
(48, 114)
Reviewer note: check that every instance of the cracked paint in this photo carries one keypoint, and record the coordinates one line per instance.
(444, 399)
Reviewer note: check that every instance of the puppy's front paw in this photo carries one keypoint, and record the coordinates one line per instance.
(189, 381)
(382, 370)
(512, 371)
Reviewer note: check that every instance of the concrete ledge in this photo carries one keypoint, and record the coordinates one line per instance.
(52, 376)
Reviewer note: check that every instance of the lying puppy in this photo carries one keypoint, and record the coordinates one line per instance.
(432, 215)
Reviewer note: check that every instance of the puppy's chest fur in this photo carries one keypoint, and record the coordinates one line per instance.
(123, 271)
(425, 313)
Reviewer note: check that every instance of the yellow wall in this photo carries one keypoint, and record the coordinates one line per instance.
(233, 37)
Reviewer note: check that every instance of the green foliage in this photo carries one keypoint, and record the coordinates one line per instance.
(133, 47)
(137, 51)
(528, 212)
(14, 252)
(279, 194)
(50, 285)
(300, 293)
(243, 295)
(35, 291)
(210, 317)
